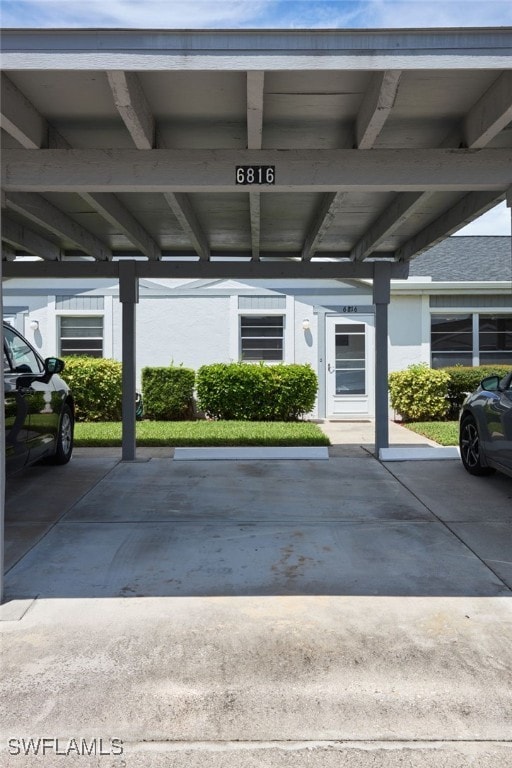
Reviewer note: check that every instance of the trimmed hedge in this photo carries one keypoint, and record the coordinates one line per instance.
(168, 393)
(465, 379)
(249, 392)
(419, 393)
(96, 386)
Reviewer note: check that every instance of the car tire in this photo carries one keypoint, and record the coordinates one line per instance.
(469, 443)
(64, 447)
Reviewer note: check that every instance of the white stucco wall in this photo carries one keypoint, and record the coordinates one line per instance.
(409, 331)
(189, 331)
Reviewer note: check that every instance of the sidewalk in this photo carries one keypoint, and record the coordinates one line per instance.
(357, 438)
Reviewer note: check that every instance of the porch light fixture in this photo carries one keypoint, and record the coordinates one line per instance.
(305, 324)
(34, 325)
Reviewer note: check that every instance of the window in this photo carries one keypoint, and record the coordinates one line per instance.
(23, 359)
(261, 337)
(80, 335)
(495, 339)
(350, 359)
(471, 339)
(451, 340)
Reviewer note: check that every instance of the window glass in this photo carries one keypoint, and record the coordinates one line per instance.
(81, 335)
(261, 337)
(24, 359)
(495, 334)
(451, 340)
(350, 362)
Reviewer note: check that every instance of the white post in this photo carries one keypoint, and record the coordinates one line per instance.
(128, 296)
(381, 295)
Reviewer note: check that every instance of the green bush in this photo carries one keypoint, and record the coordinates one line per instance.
(465, 379)
(247, 392)
(419, 393)
(168, 393)
(96, 385)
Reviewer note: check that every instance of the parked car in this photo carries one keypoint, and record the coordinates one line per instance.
(39, 407)
(485, 427)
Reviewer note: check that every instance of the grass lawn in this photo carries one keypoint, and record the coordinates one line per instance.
(202, 433)
(443, 432)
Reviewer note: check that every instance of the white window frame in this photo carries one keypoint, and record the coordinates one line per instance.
(262, 313)
(475, 316)
(78, 313)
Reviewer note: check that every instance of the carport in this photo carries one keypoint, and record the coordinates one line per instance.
(142, 154)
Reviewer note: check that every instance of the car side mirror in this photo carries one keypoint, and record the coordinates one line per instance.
(53, 365)
(490, 383)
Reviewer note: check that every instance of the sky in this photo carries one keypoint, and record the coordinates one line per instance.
(214, 14)
(285, 14)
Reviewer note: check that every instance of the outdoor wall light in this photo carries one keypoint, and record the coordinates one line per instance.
(34, 325)
(305, 325)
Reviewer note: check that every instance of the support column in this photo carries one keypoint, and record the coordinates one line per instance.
(2, 446)
(509, 205)
(129, 297)
(381, 295)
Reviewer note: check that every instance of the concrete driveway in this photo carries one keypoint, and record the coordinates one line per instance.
(340, 612)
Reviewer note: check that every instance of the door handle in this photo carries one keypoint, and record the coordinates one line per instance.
(330, 368)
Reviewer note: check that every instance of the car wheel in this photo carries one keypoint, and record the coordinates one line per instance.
(469, 443)
(64, 447)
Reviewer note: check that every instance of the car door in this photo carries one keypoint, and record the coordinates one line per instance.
(32, 421)
(498, 414)
(16, 419)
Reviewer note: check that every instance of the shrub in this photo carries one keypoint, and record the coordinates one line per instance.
(419, 393)
(96, 385)
(242, 391)
(168, 393)
(465, 379)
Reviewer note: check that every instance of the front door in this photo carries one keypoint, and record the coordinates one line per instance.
(350, 365)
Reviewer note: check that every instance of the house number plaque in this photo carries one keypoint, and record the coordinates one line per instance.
(255, 174)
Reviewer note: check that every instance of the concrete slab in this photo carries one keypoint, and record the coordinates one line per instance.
(421, 453)
(340, 489)
(289, 754)
(452, 494)
(256, 669)
(493, 541)
(406, 662)
(41, 493)
(254, 453)
(112, 559)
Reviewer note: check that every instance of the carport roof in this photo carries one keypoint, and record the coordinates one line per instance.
(125, 143)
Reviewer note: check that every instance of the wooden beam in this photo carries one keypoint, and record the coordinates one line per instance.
(490, 114)
(29, 127)
(255, 91)
(182, 208)
(329, 207)
(25, 239)
(337, 170)
(19, 118)
(313, 270)
(402, 207)
(39, 210)
(255, 88)
(376, 107)
(114, 211)
(467, 209)
(255, 215)
(132, 105)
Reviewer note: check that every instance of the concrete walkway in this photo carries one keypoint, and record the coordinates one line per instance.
(309, 613)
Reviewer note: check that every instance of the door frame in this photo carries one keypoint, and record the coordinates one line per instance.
(356, 405)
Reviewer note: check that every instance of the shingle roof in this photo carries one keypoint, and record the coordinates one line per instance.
(466, 258)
